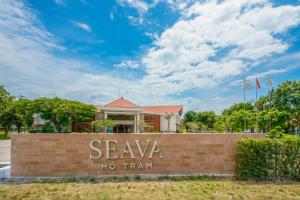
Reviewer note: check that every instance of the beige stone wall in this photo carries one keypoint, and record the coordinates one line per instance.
(51, 155)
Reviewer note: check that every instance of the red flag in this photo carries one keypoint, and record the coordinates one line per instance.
(258, 84)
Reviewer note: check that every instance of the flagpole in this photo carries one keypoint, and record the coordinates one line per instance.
(256, 117)
(269, 98)
(244, 105)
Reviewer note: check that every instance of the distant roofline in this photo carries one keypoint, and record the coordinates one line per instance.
(142, 109)
(122, 98)
(164, 105)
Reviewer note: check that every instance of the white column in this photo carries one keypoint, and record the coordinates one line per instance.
(134, 124)
(105, 117)
(137, 122)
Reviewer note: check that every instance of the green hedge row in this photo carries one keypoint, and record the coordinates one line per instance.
(268, 159)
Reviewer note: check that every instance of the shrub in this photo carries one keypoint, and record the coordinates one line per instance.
(276, 132)
(102, 124)
(180, 131)
(34, 131)
(48, 128)
(268, 159)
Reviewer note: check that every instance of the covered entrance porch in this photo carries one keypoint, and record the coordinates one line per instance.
(123, 128)
(125, 122)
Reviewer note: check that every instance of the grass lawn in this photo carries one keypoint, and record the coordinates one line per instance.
(154, 190)
(2, 136)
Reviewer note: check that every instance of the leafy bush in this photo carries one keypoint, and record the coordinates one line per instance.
(48, 128)
(34, 131)
(180, 131)
(276, 132)
(268, 159)
(102, 124)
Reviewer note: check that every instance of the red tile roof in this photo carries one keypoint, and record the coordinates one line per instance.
(121, 102)
(175, 109)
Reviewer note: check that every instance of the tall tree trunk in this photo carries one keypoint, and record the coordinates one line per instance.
(57, 127)
(5, 131)
(19, 128)
(186, 127)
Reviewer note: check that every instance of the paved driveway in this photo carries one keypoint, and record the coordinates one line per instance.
(4, 152)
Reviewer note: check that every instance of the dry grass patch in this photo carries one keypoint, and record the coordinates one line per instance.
(152, 190)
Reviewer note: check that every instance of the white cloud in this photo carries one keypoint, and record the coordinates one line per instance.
(211, 43)
(112, 13)
(151, 35)
(214, 41)
(29, 67)
(135, 21)
(60, 2)
(127, 64)
(266, 73)
(111, 16)
(82, 26)
(140, 6)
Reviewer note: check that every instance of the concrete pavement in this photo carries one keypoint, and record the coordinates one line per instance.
(4, 152)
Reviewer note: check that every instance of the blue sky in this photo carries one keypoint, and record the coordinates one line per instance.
(189, 52)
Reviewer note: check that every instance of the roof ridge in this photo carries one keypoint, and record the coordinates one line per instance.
(122, 98)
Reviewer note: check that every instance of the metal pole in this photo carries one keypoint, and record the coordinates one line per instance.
(256, 105)
(269, 98)
(244, 105)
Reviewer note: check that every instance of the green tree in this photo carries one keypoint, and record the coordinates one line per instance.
(189, 116)
(220, 125)
(283, 101)
(5, 99)
(206, 119)
(238, 106)
(236, 118)
(295, 120)
(62, 112)
(24, 109)
(287, 96)
(240, 119)
(202, 127)
(268, 119)
(9, 118)
(103, 123)
(192, 126)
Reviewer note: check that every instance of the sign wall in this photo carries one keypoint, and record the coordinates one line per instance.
(56, 155)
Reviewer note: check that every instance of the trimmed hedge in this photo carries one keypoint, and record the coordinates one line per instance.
(268, 159)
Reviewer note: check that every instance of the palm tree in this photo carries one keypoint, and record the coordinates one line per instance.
(143, 125)
(295, 120)
(168, 117)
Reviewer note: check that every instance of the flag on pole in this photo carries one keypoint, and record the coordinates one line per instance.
(270, 81)
(247, 85)
(256, 95)
(257, 83)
